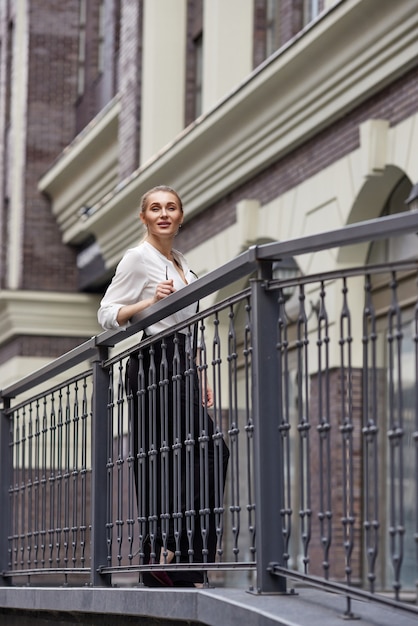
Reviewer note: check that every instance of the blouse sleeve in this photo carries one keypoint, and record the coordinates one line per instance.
(126, 287)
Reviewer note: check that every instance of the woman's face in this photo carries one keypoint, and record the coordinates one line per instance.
(162, 215)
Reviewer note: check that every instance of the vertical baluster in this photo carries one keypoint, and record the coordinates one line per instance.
(36, 485)
(66, 476)
(218, 437)
(15, 487)
(346, 429)
(152, 453)
(249, 429)
(130, 462)
(51, 480)
(370, 433)
(84, 473)
(75, 473)
(395, 434)
(110, 465)
(164, 449)
(233, 432)
(177, 448)
(23, 491)
(44, 472)
(203, 439)
(324, 430)
(190, 451)
(283, 391)
(142, 485)
(304, 427)
(30, 527)
(59, 477)
(120, 460)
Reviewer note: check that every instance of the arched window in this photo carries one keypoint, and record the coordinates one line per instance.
(398, 248)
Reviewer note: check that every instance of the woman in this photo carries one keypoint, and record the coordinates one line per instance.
(181, 466)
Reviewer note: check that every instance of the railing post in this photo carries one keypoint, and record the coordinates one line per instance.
(6, 475)
(99, 470)
(268, 458)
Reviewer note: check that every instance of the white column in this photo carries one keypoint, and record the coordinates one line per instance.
(17, 145)
(163, 74)
(227, 47)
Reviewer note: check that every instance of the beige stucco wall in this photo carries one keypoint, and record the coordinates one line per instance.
(227, 47)
(321, 203)
(163, 75)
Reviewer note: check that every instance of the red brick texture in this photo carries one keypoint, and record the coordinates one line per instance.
(53, 47)
(129, 77)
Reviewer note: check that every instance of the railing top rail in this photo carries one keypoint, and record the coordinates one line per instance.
(369, 230)
(70, 359)
(237, 268)
(248, 261)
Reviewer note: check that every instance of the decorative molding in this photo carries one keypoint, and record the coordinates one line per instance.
(84, 173)
(69, 315)
(374, 146)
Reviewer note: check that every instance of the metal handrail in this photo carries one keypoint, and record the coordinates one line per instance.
(239, 267)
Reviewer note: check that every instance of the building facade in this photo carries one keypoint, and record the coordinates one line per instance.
(273, 119)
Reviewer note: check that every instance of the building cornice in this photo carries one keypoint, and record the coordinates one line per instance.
(68, 314)
(84, 172)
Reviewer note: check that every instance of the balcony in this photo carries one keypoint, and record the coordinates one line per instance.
(306, 481)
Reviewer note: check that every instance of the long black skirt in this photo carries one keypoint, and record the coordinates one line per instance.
(181, 457)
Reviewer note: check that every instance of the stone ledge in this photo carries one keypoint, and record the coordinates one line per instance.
(213, 607)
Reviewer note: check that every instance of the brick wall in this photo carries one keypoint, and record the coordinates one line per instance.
(129, 74)
(53, 46)
(394, 103)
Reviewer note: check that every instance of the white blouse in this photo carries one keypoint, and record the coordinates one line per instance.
(136, 278)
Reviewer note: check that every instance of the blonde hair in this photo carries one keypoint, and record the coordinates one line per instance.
(145, 197)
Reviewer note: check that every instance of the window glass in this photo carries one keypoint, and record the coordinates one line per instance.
(81, 48)
(272, 26)
(101, 38)
(310, 10)
(198, 47)
(396, 248)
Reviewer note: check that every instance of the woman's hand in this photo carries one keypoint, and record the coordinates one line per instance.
(209, 397)
(206, 393)
(164, 289)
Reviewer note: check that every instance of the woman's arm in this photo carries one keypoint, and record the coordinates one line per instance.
(126, 312)
(124, 297)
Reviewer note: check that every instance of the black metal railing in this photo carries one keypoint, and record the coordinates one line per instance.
(304, 467)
